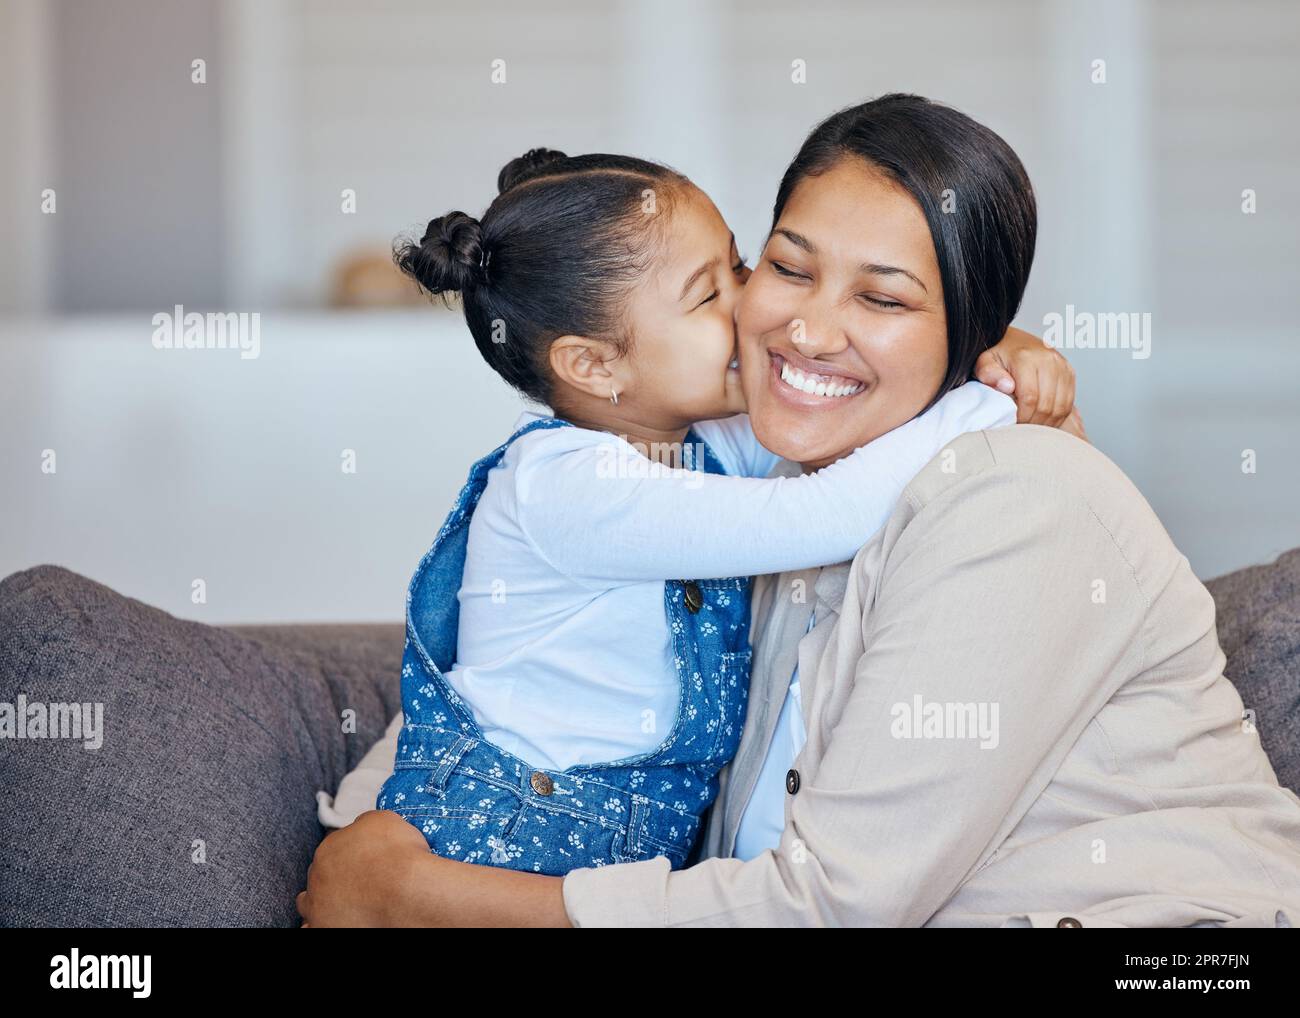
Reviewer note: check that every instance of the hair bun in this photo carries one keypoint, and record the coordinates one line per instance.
(530, 164)
(448, 258)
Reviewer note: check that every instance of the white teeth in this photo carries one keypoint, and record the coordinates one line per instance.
(815, 385)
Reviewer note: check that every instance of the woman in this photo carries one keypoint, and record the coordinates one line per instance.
(1008, 709)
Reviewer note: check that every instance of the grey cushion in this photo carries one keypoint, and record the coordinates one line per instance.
(225, 735)
(1258, 620)
(213, 735)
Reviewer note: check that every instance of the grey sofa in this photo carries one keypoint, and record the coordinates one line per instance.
(199, 807)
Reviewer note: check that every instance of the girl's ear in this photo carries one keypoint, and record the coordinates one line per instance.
(585, 364)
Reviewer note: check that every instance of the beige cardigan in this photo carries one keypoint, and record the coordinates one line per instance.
(1016, 715)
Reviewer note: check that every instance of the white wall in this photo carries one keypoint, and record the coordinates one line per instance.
(26, 155)
(176, 465)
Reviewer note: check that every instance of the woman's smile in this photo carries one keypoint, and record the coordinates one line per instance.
(807, 383)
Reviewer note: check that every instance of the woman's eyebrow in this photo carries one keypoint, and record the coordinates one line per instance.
(890, 270)
(799, 240)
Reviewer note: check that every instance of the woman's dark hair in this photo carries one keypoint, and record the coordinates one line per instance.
(974, 193)
(555, 254)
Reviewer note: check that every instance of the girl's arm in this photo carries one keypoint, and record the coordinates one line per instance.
(602, 514)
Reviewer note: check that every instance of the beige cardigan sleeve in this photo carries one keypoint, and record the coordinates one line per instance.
(978, 591)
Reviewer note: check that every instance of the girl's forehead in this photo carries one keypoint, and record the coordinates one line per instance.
(693, 218)
(694, 233)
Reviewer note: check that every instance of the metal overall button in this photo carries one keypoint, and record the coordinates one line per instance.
(1069, 923)
(542, 783)
(694, 597)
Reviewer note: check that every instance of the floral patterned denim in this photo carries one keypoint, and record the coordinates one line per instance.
(476, 802)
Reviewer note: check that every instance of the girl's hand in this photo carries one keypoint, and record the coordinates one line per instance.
(1074, 425)
(1039, 378)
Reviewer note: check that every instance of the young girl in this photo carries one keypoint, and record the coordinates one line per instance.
(577, 656)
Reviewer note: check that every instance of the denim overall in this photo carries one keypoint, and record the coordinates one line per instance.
(476, 802)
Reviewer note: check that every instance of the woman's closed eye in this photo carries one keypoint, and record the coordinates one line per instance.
(884, 303)
(788, 273)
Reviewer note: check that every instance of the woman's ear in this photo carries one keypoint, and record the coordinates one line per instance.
(587, 365)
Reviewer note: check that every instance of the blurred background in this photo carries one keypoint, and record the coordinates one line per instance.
(260, 155)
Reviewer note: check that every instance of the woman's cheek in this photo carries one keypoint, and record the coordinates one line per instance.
(761, 310)
(904, 356)
(759, 289)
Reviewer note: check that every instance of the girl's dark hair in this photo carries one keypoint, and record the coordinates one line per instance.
(944, 159)
(555, 254)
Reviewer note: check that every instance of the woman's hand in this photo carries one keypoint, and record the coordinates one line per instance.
(1039, 378)
(379, 871)
(366, 874)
